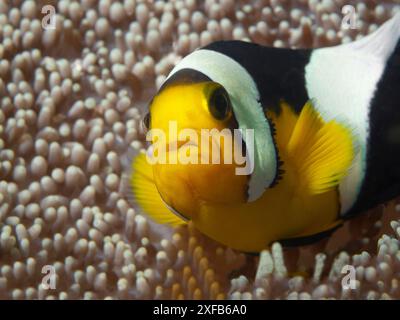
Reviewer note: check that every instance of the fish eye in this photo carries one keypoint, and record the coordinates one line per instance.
(146, 120)
(219, 104)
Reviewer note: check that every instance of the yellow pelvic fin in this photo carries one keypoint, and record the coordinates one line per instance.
(321, 151)
(146, 195)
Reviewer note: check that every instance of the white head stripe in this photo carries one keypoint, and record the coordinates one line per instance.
(248, 111)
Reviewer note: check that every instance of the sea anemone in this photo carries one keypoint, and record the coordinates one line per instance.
(72, 99)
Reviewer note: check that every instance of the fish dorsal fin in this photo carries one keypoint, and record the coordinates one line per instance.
(321, 152)
(146, 195)
(380, 43)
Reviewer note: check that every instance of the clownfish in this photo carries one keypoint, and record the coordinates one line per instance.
(325, 142)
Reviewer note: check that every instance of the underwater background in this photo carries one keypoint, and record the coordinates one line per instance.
(72, 98)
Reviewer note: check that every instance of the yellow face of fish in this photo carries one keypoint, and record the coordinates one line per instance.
(190, 128)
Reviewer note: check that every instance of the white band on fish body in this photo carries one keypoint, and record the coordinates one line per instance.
(343, 80)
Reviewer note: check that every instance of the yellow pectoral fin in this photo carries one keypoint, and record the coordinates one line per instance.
(146, 195)
(321, 151)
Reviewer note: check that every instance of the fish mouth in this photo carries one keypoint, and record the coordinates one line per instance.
(178, 144)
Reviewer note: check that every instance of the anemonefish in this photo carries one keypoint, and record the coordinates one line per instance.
(326, 142)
